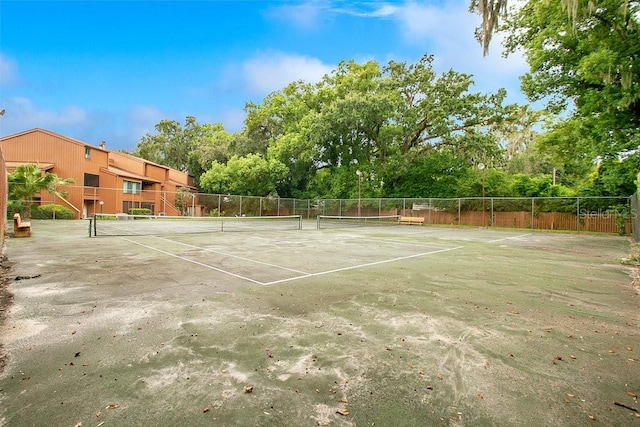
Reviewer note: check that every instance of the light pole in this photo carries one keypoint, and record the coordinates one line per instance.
(482, 167)
(193, 204)
(101, 205)
(359, 173)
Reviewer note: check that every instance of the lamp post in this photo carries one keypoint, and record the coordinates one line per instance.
(193, 204)
(359, 173)
(482, 167)
(101, 205)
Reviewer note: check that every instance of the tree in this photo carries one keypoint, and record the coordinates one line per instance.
(586, 66)
(180, 147)
(184, 200)
(362, 115)
(26, 181)
(251, 175)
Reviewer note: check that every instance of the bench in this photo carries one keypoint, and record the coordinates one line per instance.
(419, 220)
(21, 228)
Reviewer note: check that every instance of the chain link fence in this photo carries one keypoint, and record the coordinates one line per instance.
(582, 214)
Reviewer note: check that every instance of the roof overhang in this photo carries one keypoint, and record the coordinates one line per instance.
(41, 165)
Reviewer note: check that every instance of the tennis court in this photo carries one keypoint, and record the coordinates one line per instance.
(379, 325)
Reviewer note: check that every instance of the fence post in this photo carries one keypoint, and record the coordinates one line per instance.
(578, 214)
(240, 207)
(491, 217)
(459, 208)
(532, 208)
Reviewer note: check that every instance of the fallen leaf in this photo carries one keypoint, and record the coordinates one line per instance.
(248, 389)
(78, 424)
(571, 395)
(98, 414)
(480, 396)
(205, 410)
(592, 417)
(629, 348)
(342, 411)
(429, 387)
(342, 400)
(454, 418)
(632, 394)
(112, 406)
(558, 357)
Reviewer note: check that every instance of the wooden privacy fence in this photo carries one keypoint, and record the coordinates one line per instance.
(581, 214)
(586, 214)
(606, 223)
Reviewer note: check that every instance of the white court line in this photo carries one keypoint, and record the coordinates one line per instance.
(509, 238)
(233, 256)
(192, 261)
(291, 278)
(361, 265)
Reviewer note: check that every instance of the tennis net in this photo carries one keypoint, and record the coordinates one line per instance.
(140, 225)
(334, 221)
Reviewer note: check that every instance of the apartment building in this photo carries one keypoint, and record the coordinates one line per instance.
(106, 181)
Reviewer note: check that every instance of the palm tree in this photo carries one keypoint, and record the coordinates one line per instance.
(27, 181)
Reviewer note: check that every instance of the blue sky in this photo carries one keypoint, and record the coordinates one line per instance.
(111, 70)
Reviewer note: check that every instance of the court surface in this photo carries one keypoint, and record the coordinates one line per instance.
(396, 325)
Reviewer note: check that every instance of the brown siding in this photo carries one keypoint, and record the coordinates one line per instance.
(155, 172)
(126, 162)
(68, 157)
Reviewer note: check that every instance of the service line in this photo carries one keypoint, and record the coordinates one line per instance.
(369, 264)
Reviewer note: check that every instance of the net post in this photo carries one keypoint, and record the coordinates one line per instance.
(91, 218)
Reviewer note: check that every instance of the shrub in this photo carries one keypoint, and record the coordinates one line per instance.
(139, 211)
(51, 211)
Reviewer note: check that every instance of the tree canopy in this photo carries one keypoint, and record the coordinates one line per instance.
(414, 132)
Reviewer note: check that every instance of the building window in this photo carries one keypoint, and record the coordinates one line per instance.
(91, 180)
(130, 187)
(87, 152)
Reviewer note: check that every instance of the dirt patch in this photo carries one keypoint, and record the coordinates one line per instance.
(6, 297)
(487, 334)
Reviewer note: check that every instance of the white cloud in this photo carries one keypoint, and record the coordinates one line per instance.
(8, 71)
(268, 72)
(141, 120)
(301, 15)
(449, 31)
(23, 114)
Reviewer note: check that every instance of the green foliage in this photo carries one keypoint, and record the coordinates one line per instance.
(252, 175)
(139, 211)
(184, 199)
(439, 174)
(51, 211)
(585, 64)
(27, 181)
